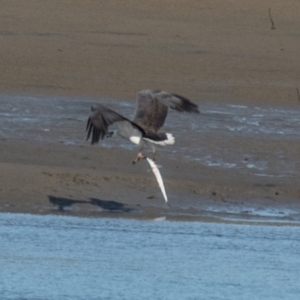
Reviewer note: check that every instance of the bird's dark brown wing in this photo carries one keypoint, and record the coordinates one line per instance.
(99, 120)
(149, 114)
(152, 108)
(176, 102)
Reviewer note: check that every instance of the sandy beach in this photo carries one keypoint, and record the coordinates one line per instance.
(213, 51)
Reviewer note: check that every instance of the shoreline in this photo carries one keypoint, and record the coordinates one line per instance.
(221, 218)
(32, 171)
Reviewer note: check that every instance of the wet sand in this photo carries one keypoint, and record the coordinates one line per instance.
(89, 181)
(221, 51)
(217, 51)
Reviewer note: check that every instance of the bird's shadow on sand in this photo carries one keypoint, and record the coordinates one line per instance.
(111, 205)
(107, 205)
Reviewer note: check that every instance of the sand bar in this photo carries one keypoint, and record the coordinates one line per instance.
(219, 51)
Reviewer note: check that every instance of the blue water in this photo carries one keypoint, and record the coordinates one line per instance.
(59, 257)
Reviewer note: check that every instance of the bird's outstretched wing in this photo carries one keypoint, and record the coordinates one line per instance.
(152, 108)
(99, 120)
(175, 102)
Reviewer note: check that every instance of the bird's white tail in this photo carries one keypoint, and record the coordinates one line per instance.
(170, 140)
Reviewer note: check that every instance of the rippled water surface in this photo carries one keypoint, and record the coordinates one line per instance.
(261, 140)
(59, 257)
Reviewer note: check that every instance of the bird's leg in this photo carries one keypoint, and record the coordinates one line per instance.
(140, 154)
(154, 155)
(138, 157)
(153, 152)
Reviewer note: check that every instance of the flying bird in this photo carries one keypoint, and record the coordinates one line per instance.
(150, 114)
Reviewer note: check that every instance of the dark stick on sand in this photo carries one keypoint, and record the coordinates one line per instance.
(273, 25)
(298, 94)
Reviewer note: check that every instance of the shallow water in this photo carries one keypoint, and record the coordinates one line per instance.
(59, 257)
(259, 140)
